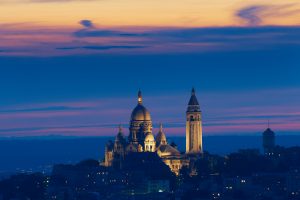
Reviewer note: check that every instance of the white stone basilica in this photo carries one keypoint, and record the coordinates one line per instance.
(141, 138)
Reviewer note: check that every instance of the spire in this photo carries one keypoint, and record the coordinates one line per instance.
(161, 137)
(193, 91)
(120, 137)
(160, 127)
(193, 100)
(120, 128)
(140, 98)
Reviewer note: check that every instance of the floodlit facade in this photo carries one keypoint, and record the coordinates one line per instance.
(141, 139)
(193, 126)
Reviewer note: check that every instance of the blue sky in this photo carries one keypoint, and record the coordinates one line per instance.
(239, 90)
(65, 70)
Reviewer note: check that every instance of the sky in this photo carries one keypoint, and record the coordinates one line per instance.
(74, 67)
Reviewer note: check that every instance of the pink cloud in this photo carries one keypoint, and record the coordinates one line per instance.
(65, 117)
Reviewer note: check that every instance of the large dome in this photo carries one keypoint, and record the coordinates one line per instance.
(140, 113)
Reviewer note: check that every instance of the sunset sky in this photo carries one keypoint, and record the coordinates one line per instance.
(73, 67)
(166, 13)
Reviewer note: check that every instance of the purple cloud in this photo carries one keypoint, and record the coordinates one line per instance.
(255, 14)
(223, 113)
(251, 14)
(87, 23)
(51, 42)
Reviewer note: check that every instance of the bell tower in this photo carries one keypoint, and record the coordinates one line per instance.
(193, 126)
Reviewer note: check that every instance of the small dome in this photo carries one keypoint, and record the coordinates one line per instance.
(149, 137)
(140, 113)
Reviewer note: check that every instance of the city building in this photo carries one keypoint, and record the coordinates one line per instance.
(268, 141)
(141, 138)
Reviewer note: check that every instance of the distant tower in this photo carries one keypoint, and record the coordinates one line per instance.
(193, 126)
(268, 141)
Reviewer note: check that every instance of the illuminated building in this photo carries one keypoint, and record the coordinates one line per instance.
(141, 138)
(193, 126)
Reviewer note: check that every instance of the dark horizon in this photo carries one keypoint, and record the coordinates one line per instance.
(44, 152)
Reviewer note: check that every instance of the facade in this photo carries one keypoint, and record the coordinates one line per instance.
(141, 138)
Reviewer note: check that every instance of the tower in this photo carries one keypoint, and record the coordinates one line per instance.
(193, 126)
(268, 141)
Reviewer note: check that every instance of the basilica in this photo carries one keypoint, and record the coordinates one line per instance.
(141, 138)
